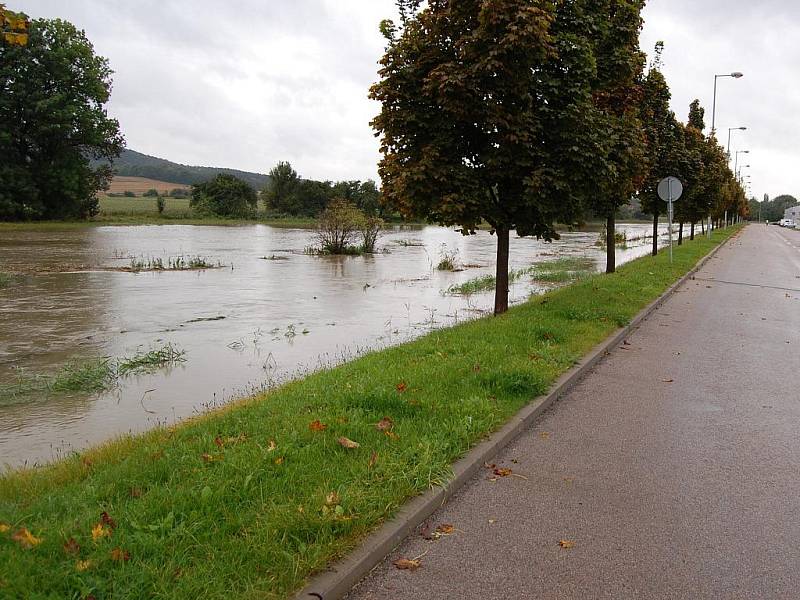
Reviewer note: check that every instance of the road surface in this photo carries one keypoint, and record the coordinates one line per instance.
(673, 469)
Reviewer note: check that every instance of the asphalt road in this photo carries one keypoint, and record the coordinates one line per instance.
(673, 468)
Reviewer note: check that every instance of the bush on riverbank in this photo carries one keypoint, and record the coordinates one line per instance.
(246, 502)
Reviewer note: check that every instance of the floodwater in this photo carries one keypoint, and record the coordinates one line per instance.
(243, 326)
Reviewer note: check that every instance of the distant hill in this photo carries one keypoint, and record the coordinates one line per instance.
(135, 164)
(139, 185)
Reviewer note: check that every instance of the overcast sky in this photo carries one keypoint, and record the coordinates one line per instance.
(246, 83)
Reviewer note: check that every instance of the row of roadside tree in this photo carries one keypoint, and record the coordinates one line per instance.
(524, 114)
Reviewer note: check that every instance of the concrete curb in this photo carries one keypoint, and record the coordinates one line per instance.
(340, 578)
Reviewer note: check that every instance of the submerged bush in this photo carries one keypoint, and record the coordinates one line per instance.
(341, 225)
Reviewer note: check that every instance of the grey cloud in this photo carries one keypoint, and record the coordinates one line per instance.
(246, 83)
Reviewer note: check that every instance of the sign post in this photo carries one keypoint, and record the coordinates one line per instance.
(669, 190)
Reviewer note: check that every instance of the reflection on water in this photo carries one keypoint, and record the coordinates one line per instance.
(281, 317)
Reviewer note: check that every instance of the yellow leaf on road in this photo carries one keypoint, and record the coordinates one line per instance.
(406, 564)
(566, 544)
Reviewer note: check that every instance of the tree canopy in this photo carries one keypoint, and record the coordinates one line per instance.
(486, 116)
(53, 122)
(225, 196)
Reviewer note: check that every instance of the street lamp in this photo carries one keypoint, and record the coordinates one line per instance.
(729, 138)
(735, 75)
(736, 163)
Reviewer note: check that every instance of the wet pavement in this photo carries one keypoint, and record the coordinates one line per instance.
(670, 471)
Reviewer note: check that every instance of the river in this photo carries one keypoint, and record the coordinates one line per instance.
(270, 312)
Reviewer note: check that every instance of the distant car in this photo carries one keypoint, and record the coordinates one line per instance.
(787, 223)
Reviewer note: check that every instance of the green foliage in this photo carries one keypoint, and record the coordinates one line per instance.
(178, 193)
(225, 196)
(129, 194)
(486, 116)
(52, 122)
(772, 210)
(160, 204)
(341, 224)
(151, 193)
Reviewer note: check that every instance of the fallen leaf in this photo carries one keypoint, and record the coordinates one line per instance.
(492, 521)
(120, 555)
(26, 539)
(373, 459)
(401, 387)
(71, 547)
(279, 460)
(502, 472)
(207, 457)
(406, 564)
(392, 435)
(545, 435)
(4, 527)
(668, 380)
(566, 544)
(218, 441)
(135, 493)
(348, 443)
(317, 426)
(271, 446)
(106, 519)
(332, 499)
(87, 462)
(476, 368)
(445, 529)
(83, 565)
(385, 424)
(99, 531)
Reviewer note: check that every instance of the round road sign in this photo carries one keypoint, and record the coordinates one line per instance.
(670, 189)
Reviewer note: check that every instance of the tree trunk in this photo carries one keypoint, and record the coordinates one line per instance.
(611, 249)
(655, 234)
(501, 287)
(680, 233)
(691, 232)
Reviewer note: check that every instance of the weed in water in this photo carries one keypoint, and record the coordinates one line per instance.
(448, 259)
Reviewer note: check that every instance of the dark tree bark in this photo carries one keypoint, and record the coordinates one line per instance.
(680, 233)
(501, 288)
(691, 232)
(655, 234)
(611, 249)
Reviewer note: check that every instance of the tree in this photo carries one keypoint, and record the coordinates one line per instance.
(617, 93)
(663, 140)
(53, 123)
(479, 115)
(283, 181)
(225, 196)
(151, 193)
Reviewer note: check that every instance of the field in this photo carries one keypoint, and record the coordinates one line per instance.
(139, 185)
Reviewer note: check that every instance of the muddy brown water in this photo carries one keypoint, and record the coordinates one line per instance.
(282, 318)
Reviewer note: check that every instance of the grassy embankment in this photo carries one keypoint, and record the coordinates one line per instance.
(248, 501)
(143, 211)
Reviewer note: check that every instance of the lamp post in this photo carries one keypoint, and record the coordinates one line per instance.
(735, 75)
(729, 139)
(736, 162)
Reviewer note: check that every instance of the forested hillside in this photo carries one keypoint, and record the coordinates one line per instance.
(135, 164)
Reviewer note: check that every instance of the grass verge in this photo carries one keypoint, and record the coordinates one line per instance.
(250, 500)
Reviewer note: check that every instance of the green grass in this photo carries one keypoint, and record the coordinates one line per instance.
(564, 270)
(88, 376)
(238, 503)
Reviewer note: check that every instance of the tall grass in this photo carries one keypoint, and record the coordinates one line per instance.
(89, 376)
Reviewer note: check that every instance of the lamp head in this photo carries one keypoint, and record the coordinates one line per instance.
(737, 75)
